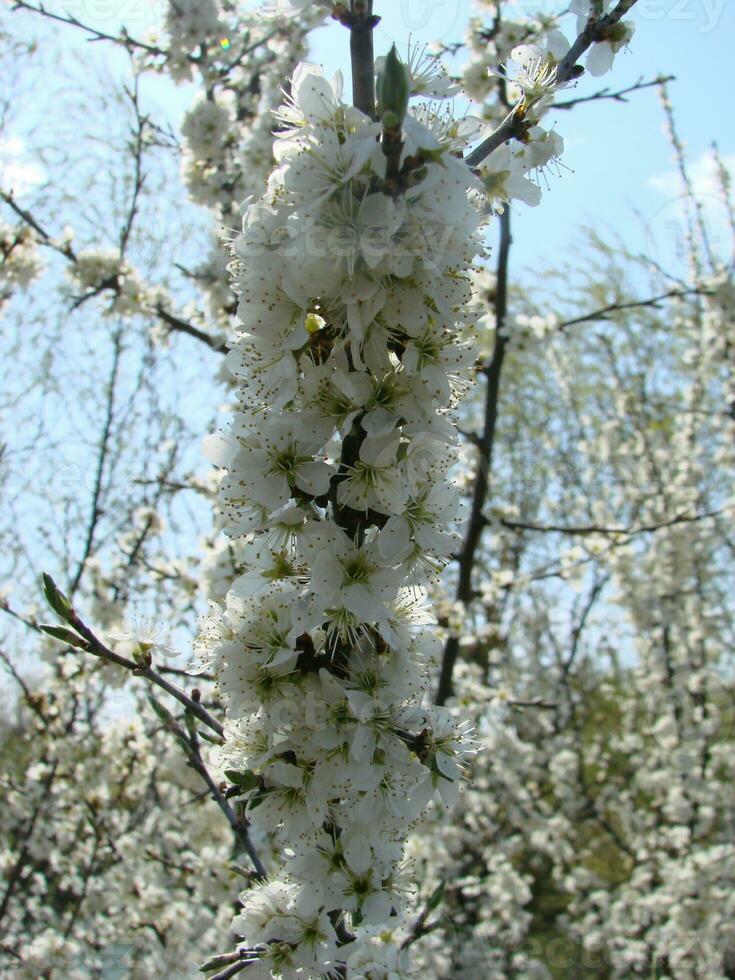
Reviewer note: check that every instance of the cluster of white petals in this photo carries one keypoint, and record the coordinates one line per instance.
(105, 271)
(19, 259)
(602, 54)
(349, 358)
(105, 886)
(600, 812)
(514, 67)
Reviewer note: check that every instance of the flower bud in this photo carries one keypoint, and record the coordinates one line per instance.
(314, 323)
(393, 88)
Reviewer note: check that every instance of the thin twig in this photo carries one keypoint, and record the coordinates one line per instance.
(96, 509)
(240, 826)
(619, 96)
(123, 39)
(591, 529)
(66, 250)
(138, 175)
(361, 23)
(603, 312)
(112, 283)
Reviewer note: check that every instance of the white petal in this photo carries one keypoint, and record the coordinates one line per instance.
(600, 59)
(314, 478)
(394, 540)
(219, 448)
(357, 851)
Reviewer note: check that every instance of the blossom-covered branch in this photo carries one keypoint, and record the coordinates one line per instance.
(354, 277)
(544, 76)
(81, 636)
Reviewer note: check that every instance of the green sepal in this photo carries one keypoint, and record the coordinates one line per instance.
(163, 713)
(246, 780)
(436, 896)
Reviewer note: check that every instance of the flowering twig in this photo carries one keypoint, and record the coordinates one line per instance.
(514, 125)
(123, 39)
(66, 250)
(111, 283)
(88, 641)
(593, 529)
(654, 301)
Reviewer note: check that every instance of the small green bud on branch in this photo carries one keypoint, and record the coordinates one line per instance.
(56, 598)
(64, 635)
(393, 90)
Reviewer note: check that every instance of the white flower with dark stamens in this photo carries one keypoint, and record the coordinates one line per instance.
(279, 462)
(375, 481)
(504, 180)
(265, 565)
(349, 579)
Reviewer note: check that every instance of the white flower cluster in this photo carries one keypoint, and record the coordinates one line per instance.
(104, 271)
(19, 259)
(352, 273)
(602, 54)
(192, 26)
(611, 808)
(227, 132)
(292, 8)
(490, 45)
(97, 878)
(240, 60)
(514, 67)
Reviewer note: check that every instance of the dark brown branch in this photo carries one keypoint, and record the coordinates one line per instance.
(138, 145)
(578, 630)
(177, 672)
(361, 23)
(583, 530)
(113, 283)
(240, 826)
(33, 702)
(182, 326)
(476, 524)
(231, 971)
(123, 39)
(96, 510)
(66, 250)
